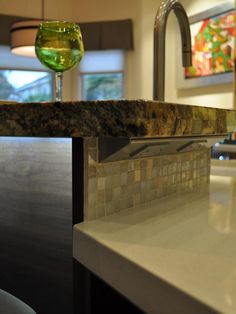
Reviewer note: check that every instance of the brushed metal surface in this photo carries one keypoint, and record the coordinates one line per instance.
(35, 222)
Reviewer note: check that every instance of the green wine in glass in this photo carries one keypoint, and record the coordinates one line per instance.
(59, 47)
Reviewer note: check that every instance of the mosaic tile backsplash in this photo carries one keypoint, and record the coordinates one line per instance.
(116, 186)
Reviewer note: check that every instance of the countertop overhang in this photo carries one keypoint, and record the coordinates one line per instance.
(113, 118)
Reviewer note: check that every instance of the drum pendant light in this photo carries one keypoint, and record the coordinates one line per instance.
(23, 34)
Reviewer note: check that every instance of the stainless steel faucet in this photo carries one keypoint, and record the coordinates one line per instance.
(159, 43)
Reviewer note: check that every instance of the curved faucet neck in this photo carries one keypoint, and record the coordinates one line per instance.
(159, 43)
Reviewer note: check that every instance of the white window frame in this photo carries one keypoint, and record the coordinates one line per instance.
(121, 71)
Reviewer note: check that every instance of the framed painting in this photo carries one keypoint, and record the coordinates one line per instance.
(212, 34)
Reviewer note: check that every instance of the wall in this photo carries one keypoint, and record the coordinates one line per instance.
(139, 63)
(54, 9)
(216, 96)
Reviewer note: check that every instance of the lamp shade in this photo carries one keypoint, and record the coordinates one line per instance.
(23, 34)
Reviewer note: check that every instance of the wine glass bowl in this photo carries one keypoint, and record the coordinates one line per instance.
(59, 47)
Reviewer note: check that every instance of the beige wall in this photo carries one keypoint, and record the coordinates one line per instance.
(58, 9)
(140, 61)
(216, 96)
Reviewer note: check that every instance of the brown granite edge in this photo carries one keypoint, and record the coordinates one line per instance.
(119, 118)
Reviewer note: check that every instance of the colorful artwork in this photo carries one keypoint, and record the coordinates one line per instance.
(212, 46)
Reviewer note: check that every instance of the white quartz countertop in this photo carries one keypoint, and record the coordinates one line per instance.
(178, 256)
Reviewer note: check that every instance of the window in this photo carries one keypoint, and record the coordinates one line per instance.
(102, 75)
(23, 79)
(25, 86)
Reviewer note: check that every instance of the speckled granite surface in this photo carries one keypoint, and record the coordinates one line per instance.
(112, 118)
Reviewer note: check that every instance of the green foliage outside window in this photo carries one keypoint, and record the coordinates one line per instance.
(102, 86)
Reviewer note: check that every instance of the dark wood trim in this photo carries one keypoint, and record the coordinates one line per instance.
(77, 180)
(82, 289)
(107, 300)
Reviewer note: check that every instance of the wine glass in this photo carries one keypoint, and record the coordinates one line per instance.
(59, 47)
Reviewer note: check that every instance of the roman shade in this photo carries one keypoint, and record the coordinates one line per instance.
(107, 35)
(103, 35)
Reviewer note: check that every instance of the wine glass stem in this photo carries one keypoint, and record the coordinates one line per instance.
(59, 79)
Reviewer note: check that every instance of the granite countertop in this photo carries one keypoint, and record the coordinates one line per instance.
(177, 256)
(121, 118)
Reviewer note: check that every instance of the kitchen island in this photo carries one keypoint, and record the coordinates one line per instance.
(161, 150)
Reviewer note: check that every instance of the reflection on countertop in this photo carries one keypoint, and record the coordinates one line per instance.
(222, 213)
(187, 243)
